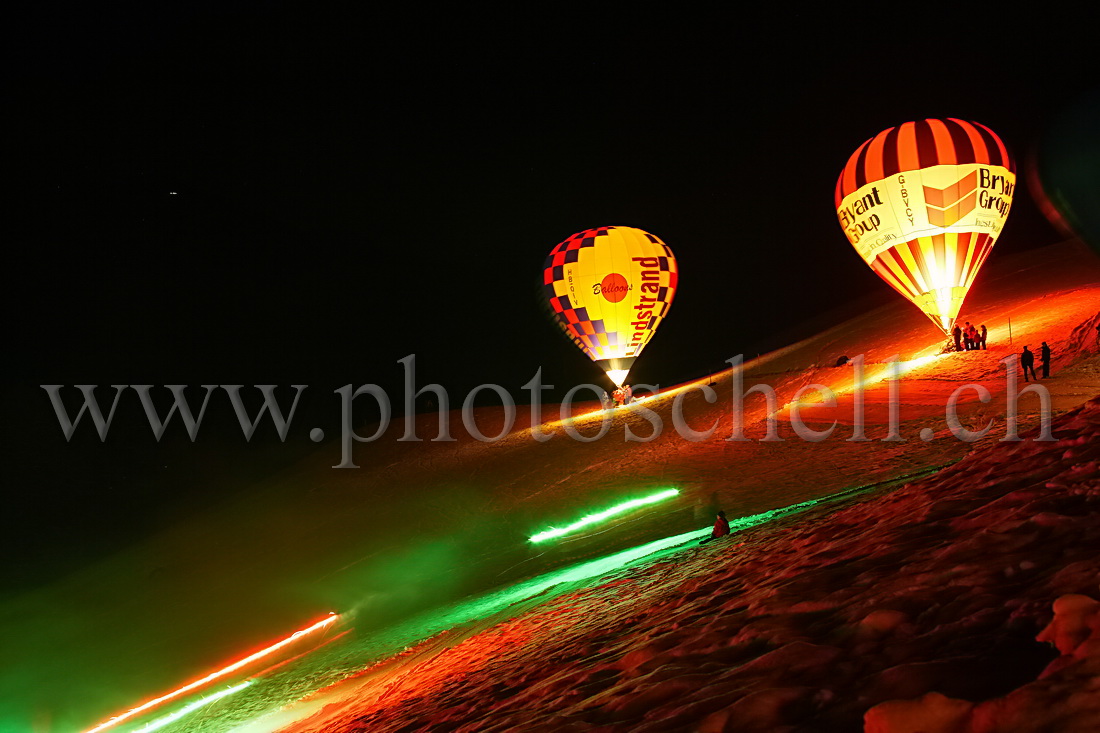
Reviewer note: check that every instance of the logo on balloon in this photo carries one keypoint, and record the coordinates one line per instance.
(614, 287)
(948, 205)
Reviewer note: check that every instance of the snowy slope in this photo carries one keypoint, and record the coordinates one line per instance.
(423, 524)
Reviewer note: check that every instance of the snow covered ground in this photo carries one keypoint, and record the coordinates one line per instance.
(936, 594)
(396, 544)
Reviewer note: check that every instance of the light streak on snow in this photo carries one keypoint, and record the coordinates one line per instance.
(606, 514)
(599, 414)
(331, 618)
(172, 718)
(889, 370)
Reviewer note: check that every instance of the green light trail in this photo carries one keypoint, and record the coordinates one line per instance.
(477, 612)
(606, 514)
(191, 686)
(544, 586)
(172, 718)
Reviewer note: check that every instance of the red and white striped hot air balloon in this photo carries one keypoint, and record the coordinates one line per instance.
(923, 203)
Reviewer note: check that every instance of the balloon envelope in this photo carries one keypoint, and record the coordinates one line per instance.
(923, 204)
(609, 288)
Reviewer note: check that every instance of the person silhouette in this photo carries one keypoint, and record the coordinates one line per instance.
(983, 336)
(957, 333)
(721, 528)
(1027, 361)
(1044, 359)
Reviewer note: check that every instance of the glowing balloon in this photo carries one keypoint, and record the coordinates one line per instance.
(923, 203)
(609, 288)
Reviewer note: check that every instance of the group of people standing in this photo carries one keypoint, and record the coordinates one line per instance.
(968, 337)
(624, 395)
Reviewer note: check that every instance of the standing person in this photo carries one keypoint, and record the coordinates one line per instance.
(983, 337)
(1027, 361)
(1044, 359)
(618, 397)
(967, 330)
(956, 332)
(605, 400)
(628, 394)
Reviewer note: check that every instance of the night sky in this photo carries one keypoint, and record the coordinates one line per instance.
(249, 194)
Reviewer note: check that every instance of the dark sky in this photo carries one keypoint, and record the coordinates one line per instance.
(262, 193)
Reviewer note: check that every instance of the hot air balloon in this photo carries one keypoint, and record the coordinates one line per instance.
(923, 203)
(609, 288)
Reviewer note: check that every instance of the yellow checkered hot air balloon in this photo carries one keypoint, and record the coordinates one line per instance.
(923, 203)
(609, 288)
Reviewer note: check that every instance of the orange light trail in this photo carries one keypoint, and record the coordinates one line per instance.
(587, 418)
(279, 665)
(890, 369)
(331, 618)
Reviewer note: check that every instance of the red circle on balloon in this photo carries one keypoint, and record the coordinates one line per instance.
(614, 287)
